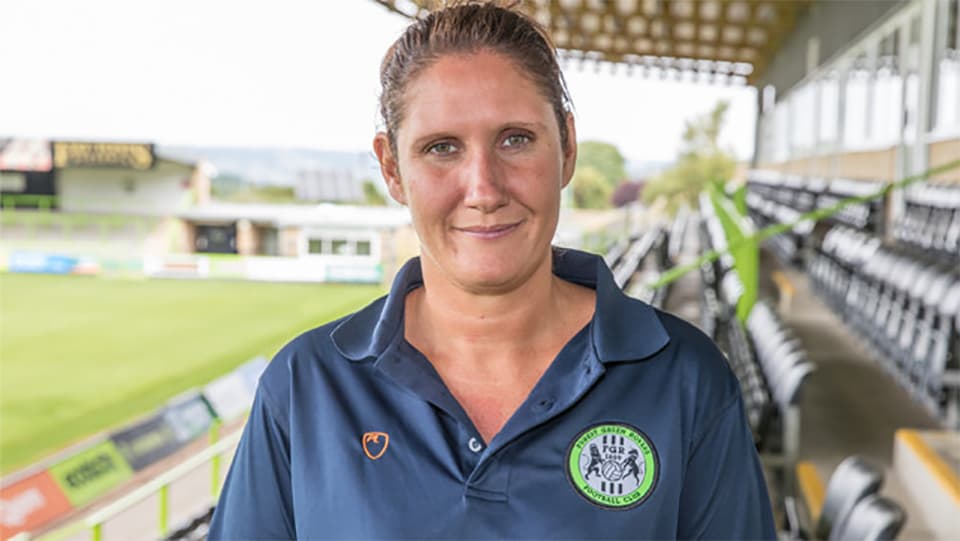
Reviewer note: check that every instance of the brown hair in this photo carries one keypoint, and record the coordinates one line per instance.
(468, 27)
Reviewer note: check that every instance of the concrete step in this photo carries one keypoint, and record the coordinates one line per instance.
(926, 476)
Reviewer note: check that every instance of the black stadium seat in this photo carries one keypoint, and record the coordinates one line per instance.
(874, 518)
(852, 481)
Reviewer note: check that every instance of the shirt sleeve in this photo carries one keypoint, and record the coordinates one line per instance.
(724, 494)
(256, 502)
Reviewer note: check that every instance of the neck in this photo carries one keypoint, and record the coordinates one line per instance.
(489, 330)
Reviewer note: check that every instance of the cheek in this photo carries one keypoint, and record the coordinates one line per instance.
(430, 195)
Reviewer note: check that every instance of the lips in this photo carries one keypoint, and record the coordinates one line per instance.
(489, 231)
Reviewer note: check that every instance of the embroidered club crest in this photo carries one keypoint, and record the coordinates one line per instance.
(375, 444)
(613, 465)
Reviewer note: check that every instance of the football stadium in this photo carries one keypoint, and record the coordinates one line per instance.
(142, 293)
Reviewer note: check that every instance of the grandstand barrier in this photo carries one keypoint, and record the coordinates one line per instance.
(92, 471)
(159, 485)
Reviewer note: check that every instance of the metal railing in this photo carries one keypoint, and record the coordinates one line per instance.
(160, 485)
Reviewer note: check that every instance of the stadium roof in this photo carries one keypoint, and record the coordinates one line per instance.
(726, 38)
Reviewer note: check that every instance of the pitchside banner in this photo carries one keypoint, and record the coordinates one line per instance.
(250, 372)
(30, 503)
(146, 442)
(90, 473)
(229, 396)
(188, 415)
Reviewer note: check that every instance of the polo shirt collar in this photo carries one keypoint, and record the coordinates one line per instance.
(622, 330)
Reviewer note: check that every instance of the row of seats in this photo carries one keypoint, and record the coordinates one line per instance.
(931, 219)
(905, 308)
(639, 261)
(768, 360)
(804, 194)
(787, 246)
(780, 353)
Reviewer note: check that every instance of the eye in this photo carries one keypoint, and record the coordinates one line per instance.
(442, 148)
(517, 139)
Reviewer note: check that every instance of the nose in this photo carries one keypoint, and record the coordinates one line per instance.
(484, 189)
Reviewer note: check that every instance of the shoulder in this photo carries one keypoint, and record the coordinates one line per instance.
(709, 383)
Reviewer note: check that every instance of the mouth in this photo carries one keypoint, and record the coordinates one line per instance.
(489, 231)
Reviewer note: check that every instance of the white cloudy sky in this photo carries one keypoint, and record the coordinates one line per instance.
(280, 73)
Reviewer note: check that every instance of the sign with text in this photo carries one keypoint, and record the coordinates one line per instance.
(90, 473)
(229, 396)
(38, 262)
(125, 155)
(146, 442)
(30, 503)
(189, 416)
(250, 372)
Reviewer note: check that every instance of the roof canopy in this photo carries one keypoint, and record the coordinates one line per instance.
(728, 38)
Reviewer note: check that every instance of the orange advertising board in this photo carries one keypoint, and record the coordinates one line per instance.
(30, 503)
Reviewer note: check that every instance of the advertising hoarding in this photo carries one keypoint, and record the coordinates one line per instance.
(229, 396)
(91, 473)
(188, 415)
(147, 441)
(30, 503)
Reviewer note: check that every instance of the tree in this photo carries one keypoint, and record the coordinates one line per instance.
(626, 193)
(701, 162)
(600, 168)
(590, 189)
(371, 195)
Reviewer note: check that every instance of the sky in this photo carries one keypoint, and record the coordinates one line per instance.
(283, 73)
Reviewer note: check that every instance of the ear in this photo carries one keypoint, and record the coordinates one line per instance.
(389, 167)
(570, 153)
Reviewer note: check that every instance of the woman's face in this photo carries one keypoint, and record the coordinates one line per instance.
(480, 165)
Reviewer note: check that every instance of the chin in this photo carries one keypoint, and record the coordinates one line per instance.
(489, 275)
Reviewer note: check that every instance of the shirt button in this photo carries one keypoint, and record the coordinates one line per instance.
(545, 404)
(475, 445)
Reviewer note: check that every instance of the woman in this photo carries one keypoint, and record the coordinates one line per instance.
(503, 388)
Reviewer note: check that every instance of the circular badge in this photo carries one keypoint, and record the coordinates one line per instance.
(613, 465)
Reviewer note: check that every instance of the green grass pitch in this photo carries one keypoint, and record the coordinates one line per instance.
(79, 355)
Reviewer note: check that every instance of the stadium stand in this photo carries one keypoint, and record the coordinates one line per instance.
(768, 360)
(931, 219)
(638, 262)
(907, 309)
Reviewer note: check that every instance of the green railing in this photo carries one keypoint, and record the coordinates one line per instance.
(160, 485)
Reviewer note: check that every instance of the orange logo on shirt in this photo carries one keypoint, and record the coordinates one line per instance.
(372, 445)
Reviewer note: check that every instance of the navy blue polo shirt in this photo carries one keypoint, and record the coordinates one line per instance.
(636, 430)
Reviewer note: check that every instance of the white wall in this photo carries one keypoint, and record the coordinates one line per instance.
(165, 189)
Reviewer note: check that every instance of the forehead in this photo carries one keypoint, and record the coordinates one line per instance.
(461, 91)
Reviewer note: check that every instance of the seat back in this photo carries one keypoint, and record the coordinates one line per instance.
(874, 518)
(853, 480)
